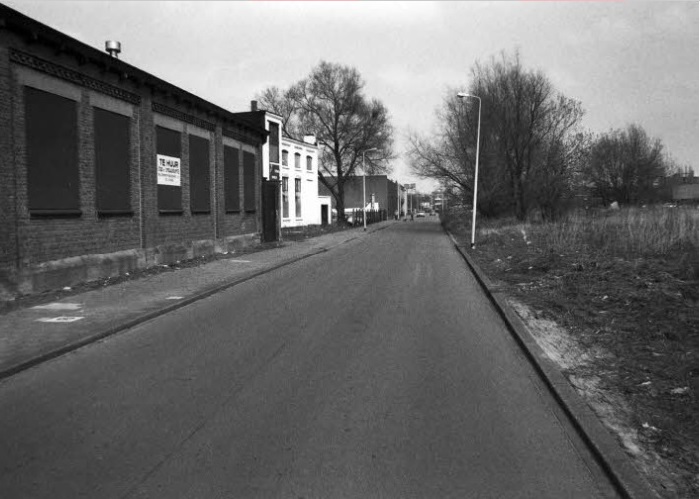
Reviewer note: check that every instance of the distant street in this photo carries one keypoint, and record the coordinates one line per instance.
(375, 370)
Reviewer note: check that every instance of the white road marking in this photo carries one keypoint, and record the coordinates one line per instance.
(174, 298)
(59, 319)
(59, 306)
(239, 261)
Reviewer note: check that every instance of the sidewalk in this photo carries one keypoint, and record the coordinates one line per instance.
(33, 335)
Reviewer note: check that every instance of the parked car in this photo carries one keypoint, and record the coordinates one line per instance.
(420, 214)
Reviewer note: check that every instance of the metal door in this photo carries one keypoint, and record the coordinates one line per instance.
(324, 214)
(270, 207)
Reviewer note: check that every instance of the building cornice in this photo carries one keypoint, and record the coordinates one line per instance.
(72, 76)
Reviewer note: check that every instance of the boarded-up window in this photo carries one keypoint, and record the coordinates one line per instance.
(168, 163)
(232, 183)
(274, 142)
(53, 181)
(285, 197)
(297, 197)
(249, 181)
(112, 162)
(200, 190)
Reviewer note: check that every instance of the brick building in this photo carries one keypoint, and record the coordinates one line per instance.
(105, 168)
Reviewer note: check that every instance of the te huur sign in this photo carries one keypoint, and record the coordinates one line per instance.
(168, 170)
(274, 172)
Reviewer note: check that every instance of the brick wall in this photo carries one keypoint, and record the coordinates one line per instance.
(8, 239)
(26, 240)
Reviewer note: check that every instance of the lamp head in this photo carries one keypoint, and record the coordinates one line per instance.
(462, 95)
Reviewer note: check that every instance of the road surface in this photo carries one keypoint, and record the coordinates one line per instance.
(375, 370)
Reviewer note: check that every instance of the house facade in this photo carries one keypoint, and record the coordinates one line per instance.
(292, 163)
(299, 176)
(105, 168)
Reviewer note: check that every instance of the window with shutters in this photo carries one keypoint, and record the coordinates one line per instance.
(112, 162)
(232, 182)
(53, 180)
(200, 190)
(249, 183)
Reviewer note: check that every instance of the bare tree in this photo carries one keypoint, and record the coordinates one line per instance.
(530, 128)
(280, 102)
(626, 165)
(529, 140)
(330, 102)
(449, 156)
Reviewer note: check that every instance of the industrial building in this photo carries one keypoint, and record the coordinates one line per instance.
(105, 168)
(381, 193)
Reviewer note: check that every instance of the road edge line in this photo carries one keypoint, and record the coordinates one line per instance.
(612, 459)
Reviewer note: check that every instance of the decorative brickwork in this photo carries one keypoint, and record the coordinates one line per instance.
(179, 115)
(75, 77)
(246, 138)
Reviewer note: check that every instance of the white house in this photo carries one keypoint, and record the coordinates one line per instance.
(294, 164)
(299, 176)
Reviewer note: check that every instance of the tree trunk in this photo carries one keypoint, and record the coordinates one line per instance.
(340, 203)
(519, 198)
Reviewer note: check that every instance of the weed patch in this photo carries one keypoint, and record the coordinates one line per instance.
(624, 283)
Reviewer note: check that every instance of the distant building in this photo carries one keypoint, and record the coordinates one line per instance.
(381, 193)
(686, 192)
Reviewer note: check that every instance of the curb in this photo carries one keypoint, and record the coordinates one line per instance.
(612, 459)
(6, 373)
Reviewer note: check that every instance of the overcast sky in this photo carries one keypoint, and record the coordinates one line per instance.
(627, 62)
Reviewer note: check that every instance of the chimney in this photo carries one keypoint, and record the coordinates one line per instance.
(113, 48)
(310, 139)
(253, 105)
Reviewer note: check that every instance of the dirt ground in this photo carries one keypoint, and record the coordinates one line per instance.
(625, 333)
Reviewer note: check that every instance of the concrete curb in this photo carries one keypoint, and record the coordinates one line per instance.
(7, 372)
(612, 459)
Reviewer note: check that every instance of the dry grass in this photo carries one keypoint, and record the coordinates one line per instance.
(624, 282)
(628, 233)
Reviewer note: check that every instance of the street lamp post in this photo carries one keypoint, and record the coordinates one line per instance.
(462, 95)
(364, 200)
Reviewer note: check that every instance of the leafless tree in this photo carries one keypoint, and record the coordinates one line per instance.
(530, 139)
(330, 103)
(626, 165)
(531, 129)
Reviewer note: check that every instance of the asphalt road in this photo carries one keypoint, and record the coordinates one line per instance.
(377, 369)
